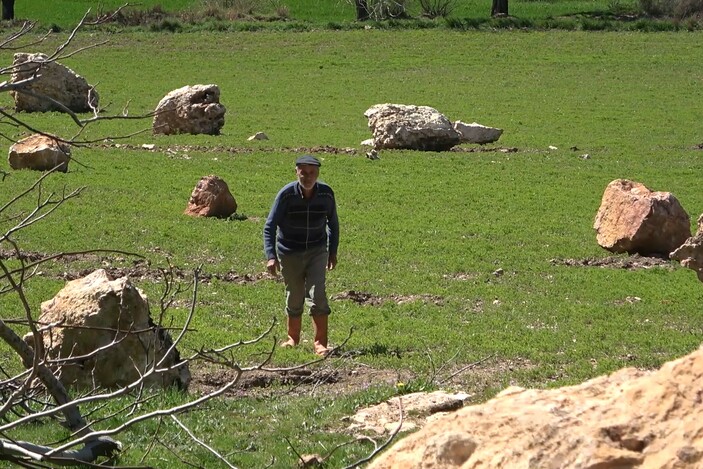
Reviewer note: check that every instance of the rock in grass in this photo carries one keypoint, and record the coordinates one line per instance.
(477, 133)
(53, 80)
(690, 253)
(41, 153)
(258, 136)
(416, 408)
(106, 325)
(400, 126)
(634, 219)
(211, 198)
(190, 110)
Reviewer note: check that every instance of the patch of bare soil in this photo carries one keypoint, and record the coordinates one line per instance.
(484, 149)
(176, 149)
(137, 269)
(364, 298)
(617, 262)
(329, 378)
(320, 149)
(340, 375)
(142, 272)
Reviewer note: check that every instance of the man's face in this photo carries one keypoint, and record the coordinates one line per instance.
(307, 175)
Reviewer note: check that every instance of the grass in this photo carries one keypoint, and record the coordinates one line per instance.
(414, 225)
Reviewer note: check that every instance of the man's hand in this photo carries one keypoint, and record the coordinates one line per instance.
(331, 261)
(272, 266)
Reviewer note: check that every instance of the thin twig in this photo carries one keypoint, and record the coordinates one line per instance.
(462, 369)
(375, 452)
(202, 443)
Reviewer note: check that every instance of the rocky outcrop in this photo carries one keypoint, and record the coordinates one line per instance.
(400, 126)
(211, 198)
(631, 419)
(101, 331)
(41, 153)
(192, 109)
(634, 219)
(53, 80)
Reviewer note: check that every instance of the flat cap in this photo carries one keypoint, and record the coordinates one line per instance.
(308, 159)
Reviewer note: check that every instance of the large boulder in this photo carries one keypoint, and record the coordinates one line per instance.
(192, 109)
(41, 153)
(106, 325)
(53, 80)
(690, 253)
(211, 198)
(634, 219)
(629, 419)
(400, 126)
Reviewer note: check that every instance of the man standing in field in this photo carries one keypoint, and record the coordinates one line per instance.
(301, 236)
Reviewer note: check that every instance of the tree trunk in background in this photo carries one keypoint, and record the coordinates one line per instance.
(499, 8)
(362, 10)
(8, 9)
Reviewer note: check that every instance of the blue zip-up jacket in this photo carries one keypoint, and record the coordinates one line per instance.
(295, 224)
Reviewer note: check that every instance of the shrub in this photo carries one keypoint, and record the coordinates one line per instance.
(137, 17)
(437, 8)
(380, 10)
(688, 9)
(656, 7)
(679, 9)
(166, 25)
(239, 8)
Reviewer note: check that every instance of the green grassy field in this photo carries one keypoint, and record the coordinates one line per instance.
(422, 232)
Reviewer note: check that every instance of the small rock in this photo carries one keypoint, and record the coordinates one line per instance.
(310, 460)
(258, 136)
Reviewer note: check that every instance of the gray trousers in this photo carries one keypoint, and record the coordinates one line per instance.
(304, 277)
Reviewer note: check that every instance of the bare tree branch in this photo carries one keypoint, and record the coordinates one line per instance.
(201, 443)
(467, 367)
